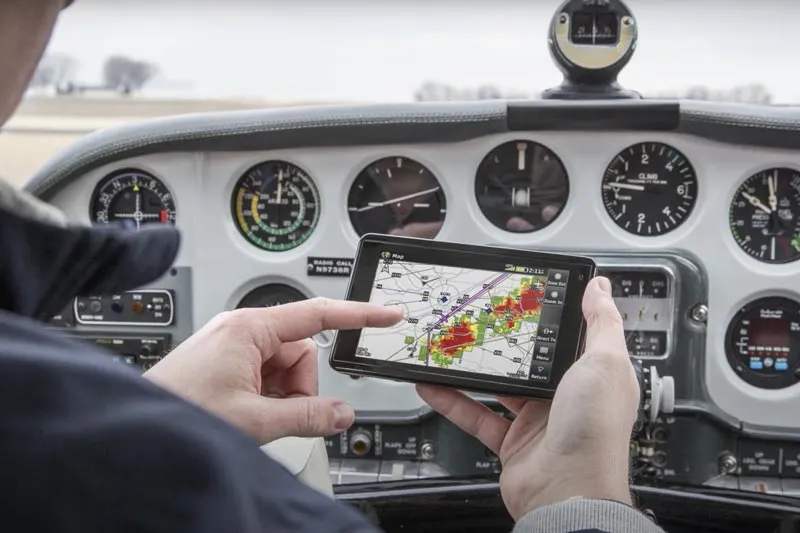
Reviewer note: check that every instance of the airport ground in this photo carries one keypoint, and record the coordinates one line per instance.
(44, 125)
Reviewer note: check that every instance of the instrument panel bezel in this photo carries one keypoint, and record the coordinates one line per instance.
(655, 265)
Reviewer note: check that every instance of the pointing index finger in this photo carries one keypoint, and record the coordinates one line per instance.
(295, 321)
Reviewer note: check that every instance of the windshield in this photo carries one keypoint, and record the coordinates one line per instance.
(113, 62)
(356, 51)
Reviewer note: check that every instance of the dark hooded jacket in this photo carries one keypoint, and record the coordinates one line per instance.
(86, 444)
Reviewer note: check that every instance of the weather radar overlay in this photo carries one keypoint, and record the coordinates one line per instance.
(464, 319)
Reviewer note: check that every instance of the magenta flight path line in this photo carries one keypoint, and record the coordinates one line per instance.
(475, 296)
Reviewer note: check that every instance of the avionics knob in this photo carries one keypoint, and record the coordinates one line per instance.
(360, 442)
(727, 464)
(659, 393)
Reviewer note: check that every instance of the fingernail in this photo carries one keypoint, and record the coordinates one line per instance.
(604, 284)
(343, 416)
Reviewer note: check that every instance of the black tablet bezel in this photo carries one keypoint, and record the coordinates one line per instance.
(571, 331)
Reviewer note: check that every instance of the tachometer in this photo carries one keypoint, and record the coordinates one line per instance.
(274, 294)
(649, 189)
(765, 215)
(397, 195)
(763, 342)
(276, 206)
(521, 186)
(133, 197)
(271, 295)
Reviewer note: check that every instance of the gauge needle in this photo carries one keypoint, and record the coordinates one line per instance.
(373, 205)
(137, 214)
(755, 202)
(280, 185)
(772, 181)
(627, 186)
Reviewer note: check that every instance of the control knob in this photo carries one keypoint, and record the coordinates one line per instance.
(657, 394)
(360, 442)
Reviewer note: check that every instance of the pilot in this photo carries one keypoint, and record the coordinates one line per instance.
(90, 446)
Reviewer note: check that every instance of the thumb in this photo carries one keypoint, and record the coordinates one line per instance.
(306, 416)
(604, 330)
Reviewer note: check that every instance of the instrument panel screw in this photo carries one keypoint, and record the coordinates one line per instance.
(727, 464)
(428, 451)
(699, 313)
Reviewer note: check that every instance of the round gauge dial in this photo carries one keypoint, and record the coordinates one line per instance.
(649, 189)
(397, 195)
(132, 197)
(765, 215)
(763, 342)
(275, 206)
(521, 186)
(271, 295)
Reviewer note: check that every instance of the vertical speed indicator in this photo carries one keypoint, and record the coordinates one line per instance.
(649, 189)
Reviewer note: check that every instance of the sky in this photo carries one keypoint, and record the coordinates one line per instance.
(382, 50)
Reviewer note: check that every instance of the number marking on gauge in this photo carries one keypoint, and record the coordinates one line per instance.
(764, 215)
(276, 206)
(656, 181)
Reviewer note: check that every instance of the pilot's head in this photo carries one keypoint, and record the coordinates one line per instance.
(25, 29)
(66, 260)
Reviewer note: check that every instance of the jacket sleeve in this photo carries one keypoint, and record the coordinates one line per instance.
(88, 445)
(586, 516)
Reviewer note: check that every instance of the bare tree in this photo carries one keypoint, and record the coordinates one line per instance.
(127, 75)
(753, 93)
(698, 93)
(53, 70)
(432, 91)
(489, 92)
(436, 92)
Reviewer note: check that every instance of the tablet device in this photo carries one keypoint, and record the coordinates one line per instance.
(480, 318)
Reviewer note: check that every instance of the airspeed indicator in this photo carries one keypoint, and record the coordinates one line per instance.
(649, 189)
(275, 206)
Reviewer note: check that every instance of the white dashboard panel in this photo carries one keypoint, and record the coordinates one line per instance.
(225, 267)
